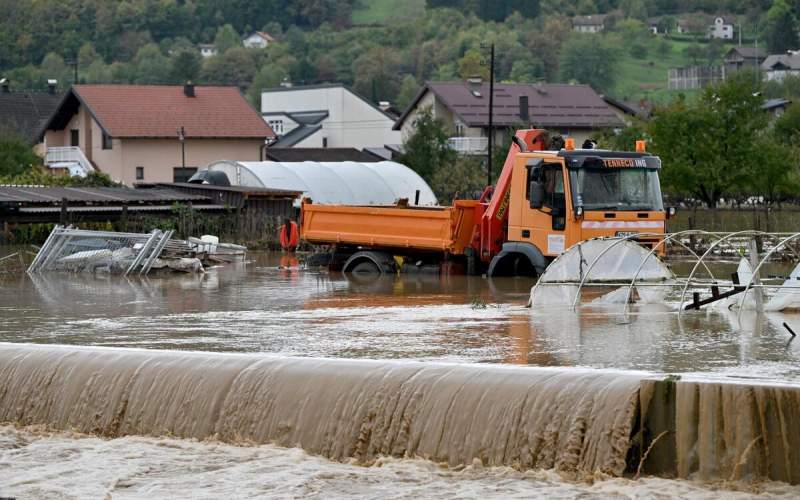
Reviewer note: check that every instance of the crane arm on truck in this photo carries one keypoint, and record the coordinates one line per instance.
(491, 233)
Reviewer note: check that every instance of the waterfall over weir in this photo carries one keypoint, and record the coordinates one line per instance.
(573, 420)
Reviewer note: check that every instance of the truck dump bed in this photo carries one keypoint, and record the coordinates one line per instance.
(446, 229)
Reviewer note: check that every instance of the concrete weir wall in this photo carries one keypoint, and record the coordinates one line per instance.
(576, 421)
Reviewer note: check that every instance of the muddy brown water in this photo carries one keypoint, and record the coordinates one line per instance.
(409, 385)
(262, 307)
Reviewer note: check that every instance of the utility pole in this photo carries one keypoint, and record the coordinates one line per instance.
(74, 64)
(490, 147)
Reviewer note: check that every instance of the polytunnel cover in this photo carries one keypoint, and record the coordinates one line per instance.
(619, 261)
(346, 183)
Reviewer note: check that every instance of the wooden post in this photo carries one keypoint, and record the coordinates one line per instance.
(758, 292)
(64, 218)
(123, 219)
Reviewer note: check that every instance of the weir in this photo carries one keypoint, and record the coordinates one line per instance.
(578, 421)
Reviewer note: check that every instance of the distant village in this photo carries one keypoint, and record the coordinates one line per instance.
(155, 134)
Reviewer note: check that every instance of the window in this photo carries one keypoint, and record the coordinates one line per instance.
(139, 173)
(277, 126)
(324, 142)
(183, 174)
(108, 143)
(74, 138)
(459, 128)
(616, 189)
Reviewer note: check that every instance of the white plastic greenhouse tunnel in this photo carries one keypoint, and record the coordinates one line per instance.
(346, 183)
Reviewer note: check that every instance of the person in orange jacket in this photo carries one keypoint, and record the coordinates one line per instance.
(289, 236)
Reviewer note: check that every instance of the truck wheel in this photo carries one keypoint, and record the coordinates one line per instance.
(366, 268)
(368, 263)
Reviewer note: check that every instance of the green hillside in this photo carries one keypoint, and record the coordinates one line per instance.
(385, 11)
(647, 77)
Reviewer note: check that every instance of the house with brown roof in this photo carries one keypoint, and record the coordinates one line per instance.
(258, 40)
(571, 110)
(153, 133)
(744, 57)
(25, 112)
(589, 24)
(778, 66)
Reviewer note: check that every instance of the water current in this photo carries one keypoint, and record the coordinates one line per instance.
(265, 309)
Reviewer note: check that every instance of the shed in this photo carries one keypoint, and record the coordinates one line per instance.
(346, 183)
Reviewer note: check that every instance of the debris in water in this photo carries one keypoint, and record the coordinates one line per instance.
(76, 250)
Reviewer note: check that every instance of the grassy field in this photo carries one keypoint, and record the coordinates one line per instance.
(384, 11)
(647, 77)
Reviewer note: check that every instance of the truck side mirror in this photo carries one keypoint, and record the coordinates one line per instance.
(537, 194)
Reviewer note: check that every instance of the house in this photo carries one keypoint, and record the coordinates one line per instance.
(629, 112)
(26, 112)
(777, 66)
(152, 133)
(258, 40)
(589, 24)
(572, 110)
(325, 116)
(776, 107)
(207, 49)
(323, 155)
(743, 57)
(720, 29)
(683, 26)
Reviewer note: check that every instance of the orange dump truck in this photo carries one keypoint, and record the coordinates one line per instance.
(544, 202)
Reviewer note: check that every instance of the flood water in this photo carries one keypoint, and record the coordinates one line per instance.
(272, 306)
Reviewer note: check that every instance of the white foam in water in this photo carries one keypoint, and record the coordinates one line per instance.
(41, 465)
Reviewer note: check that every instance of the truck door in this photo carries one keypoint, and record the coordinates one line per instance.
(546, 214)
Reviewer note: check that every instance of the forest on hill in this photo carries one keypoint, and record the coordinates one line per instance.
(383, 48)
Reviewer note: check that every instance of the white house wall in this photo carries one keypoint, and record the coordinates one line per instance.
(351, 122)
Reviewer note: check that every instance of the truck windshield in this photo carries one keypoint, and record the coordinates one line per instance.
(616, 189)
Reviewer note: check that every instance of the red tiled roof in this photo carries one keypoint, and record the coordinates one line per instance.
(160, 111)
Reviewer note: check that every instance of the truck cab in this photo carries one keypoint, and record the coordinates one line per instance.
(559, 198)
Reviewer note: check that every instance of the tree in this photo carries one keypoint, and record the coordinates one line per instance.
(376, 74)
(787, 127)
(472, 65)
(427, 150)
(408, 90)
(636, 9)
(708, 147)
(185, 66)
(99, 72)
(152, 67)
(693, 52)
(53, 66)
(234, 67)
(589, 59)
(87, 55)
(781, 28)
(226, 39)
(268, 76)
(462, 178)
(664, 47)
(526, 69)
(774, 174)
(714, 51)
(16, 156)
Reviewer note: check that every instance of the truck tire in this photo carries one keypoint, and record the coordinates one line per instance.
(366, 268)
(518, 259)
(369, 262)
